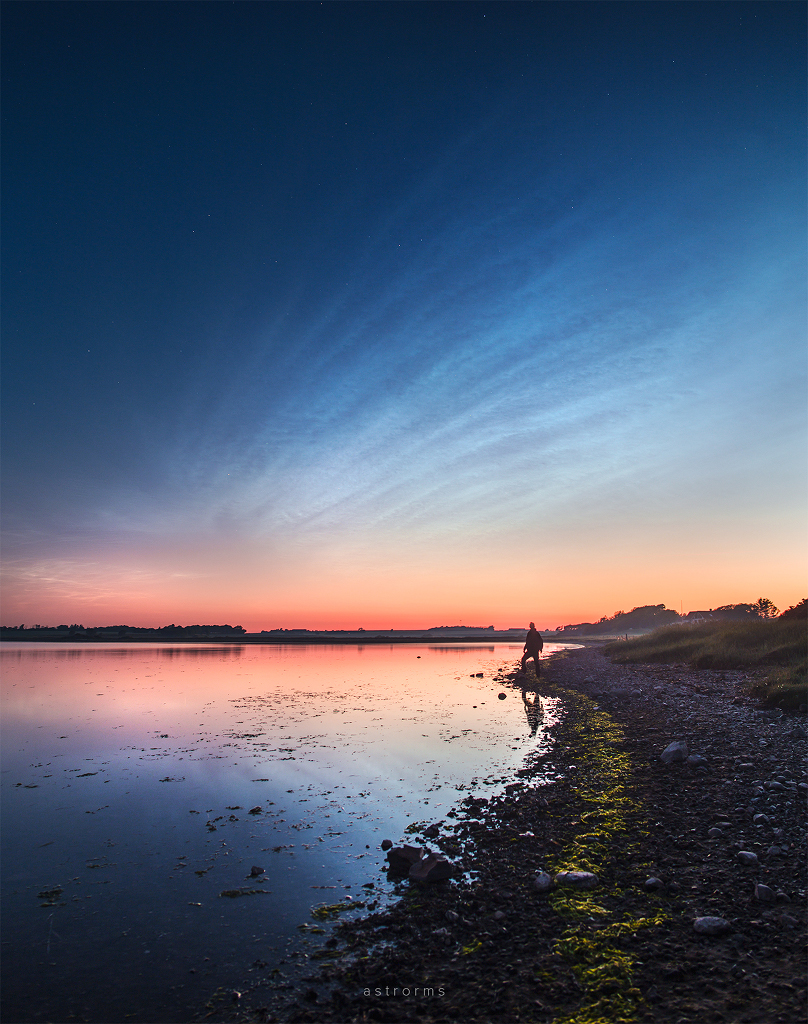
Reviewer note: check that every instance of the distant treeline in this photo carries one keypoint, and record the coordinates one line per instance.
(107, 631)
(651, 616)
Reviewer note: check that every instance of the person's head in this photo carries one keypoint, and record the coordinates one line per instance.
(532, 625)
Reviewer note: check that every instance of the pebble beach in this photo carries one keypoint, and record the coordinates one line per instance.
(659, 876)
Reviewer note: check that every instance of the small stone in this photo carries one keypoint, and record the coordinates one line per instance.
(747, 857)
(715, 833)
(502, 696)
(432, 831)
(787, 921)
(764, 893)
(696, 760)
(387, 844)
(498, 915)
(452, 916)
(255, 871)
(256, 810)
(653, 883)
(782, 897)
(676, 751)
(760, 819)
(577, 879)
(774, 851)
(542, 882)
(711, 925)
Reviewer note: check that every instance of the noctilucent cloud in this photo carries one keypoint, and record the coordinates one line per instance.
(402, 314)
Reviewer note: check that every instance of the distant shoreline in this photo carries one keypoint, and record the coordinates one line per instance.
(340, 639)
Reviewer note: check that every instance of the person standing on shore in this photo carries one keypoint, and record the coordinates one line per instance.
(533, 647)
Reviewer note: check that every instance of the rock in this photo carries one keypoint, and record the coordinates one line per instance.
(760, 819)
(676, 751)
(502, 696)
(715, 833)
(764, 893)
(577, 879)
(401, 858)
(711, 925)
(498, 915)
(452, 916)
(774, 851)
(255, 871)
(432, 831)
(787, 921)
(387, 844)
(696, 760)
(798, 733)
(653, 883)
(747, 857)
(433, 868)
(256, 810)
(777, 786)
(542, 882)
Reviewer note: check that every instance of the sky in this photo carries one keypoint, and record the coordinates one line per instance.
(401, 314)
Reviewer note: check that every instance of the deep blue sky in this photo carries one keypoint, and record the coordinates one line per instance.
(309, 304)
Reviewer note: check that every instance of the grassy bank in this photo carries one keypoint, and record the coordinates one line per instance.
(775, 648)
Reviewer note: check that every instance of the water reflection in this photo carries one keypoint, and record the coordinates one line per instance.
(130, 778)
(534, 709)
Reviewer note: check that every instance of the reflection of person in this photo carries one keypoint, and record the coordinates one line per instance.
(533, 647)
(533, 710)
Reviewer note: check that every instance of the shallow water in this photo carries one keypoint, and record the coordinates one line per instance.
(128, 777)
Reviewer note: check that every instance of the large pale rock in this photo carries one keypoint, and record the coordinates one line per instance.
(676, 751)
(577, 879)
(711, 926)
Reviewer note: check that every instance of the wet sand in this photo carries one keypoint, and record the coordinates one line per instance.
(488, 946)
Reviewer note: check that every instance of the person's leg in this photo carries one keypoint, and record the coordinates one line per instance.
(536, 659)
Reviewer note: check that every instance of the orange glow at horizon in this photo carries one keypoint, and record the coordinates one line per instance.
(241, 587)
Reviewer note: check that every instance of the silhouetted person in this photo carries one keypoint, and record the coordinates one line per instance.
(533, 647)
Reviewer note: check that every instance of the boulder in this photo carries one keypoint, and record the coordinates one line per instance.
(711, 926)
(676, 751)
(764, 893)
(432, 868)
(387, 844)
(542, 882)
(577, 879)
(401, 858)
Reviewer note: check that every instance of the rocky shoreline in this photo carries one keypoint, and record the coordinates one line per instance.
(718, 833)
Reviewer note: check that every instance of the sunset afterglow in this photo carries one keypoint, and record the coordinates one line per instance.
(400, 315)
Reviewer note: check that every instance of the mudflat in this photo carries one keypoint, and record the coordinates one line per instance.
(717, 838)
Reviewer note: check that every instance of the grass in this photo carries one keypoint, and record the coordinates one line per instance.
(777, 647)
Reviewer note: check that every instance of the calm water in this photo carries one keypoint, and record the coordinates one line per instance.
(129, 773)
